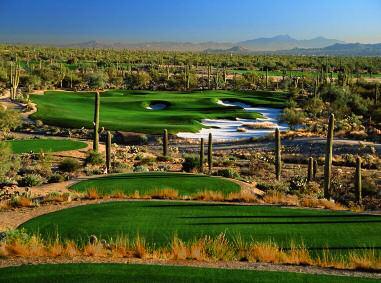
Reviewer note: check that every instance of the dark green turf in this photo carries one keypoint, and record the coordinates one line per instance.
(185, 184)
(45, 145)
(158, 221)
(107, 272)
(125, 110)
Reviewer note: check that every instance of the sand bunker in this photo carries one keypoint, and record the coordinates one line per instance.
(157, 106)
(240, 128)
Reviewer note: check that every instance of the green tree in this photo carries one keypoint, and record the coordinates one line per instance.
(9, 120)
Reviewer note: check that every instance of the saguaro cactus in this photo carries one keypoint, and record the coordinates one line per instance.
(165, 143)
(278, 161)
(209, 76)
(328, 157)
(358, 183)
(267, 77)
(315, 169)
(96, 122)
(108, 152)
(310, 169)
(188, 76)
(15, 79)
(210, 153)
(202, 155)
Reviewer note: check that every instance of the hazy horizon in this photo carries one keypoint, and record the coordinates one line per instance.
(70, 21)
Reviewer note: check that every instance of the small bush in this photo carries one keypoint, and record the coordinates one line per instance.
(94, 158)
(228, 173)
(298, 184)
(191, 162)
(56, 178)
(162, 158)
(31, 180)
(69, 165)
(140, 168)
(121, 167)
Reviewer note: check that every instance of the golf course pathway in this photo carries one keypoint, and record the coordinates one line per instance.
(16, 261)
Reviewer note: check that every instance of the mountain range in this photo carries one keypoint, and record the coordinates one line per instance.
(279, 42)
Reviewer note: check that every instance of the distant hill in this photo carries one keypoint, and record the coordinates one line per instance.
(285, 42)
(279, 42)
(233, 50)
(348, 49)
(152, 46)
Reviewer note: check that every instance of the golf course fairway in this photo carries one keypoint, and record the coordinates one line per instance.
(145, 183)
(127, 110)
(159, 221)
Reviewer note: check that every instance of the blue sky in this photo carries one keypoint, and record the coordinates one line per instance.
(60, 21)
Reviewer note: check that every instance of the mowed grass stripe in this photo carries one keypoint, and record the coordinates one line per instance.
(145, 183)
(158, 221)
(125, 110)
(107, 272)
(45, 145)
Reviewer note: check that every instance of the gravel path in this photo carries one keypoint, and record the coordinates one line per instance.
(16, 261)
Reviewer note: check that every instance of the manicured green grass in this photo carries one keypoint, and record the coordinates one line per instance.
(45, 145)
(126, 110)
(107, 272)
(158, 221)
(144, 183)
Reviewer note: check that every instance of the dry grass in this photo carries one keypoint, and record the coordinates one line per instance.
(242, 196)
(164, 194)
(265, 252)
(279, 198)
(21, 201)
(321, 203)
(92, 193)
(260, 125)
(57, 198)
(209, 196)
(204, 249)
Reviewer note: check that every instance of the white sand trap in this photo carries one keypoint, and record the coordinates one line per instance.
(157, 106)
(223, 130)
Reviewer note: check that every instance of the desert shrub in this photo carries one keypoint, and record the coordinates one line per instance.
(121, 167)
(69, 165)
(9, 120)
(228, 162)
(39, 123)
(228, 173)
(8, 162)
(19, 235)
(275, 186)
(94, 158)
(146, 160)
(162, 158)
(56, 178)
(293, 117)
(298, 184)
(191, 162)
(314, 106)
(140, 168)
(31, 180)
(369, 186)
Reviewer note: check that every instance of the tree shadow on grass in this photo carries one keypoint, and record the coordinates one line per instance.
(186, 205)
(282, 216)
(283, 223)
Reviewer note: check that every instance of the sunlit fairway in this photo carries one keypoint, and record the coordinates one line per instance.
(126, 110)
(145, 183)
(154, 273)
(45, 145)
(159, 221)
